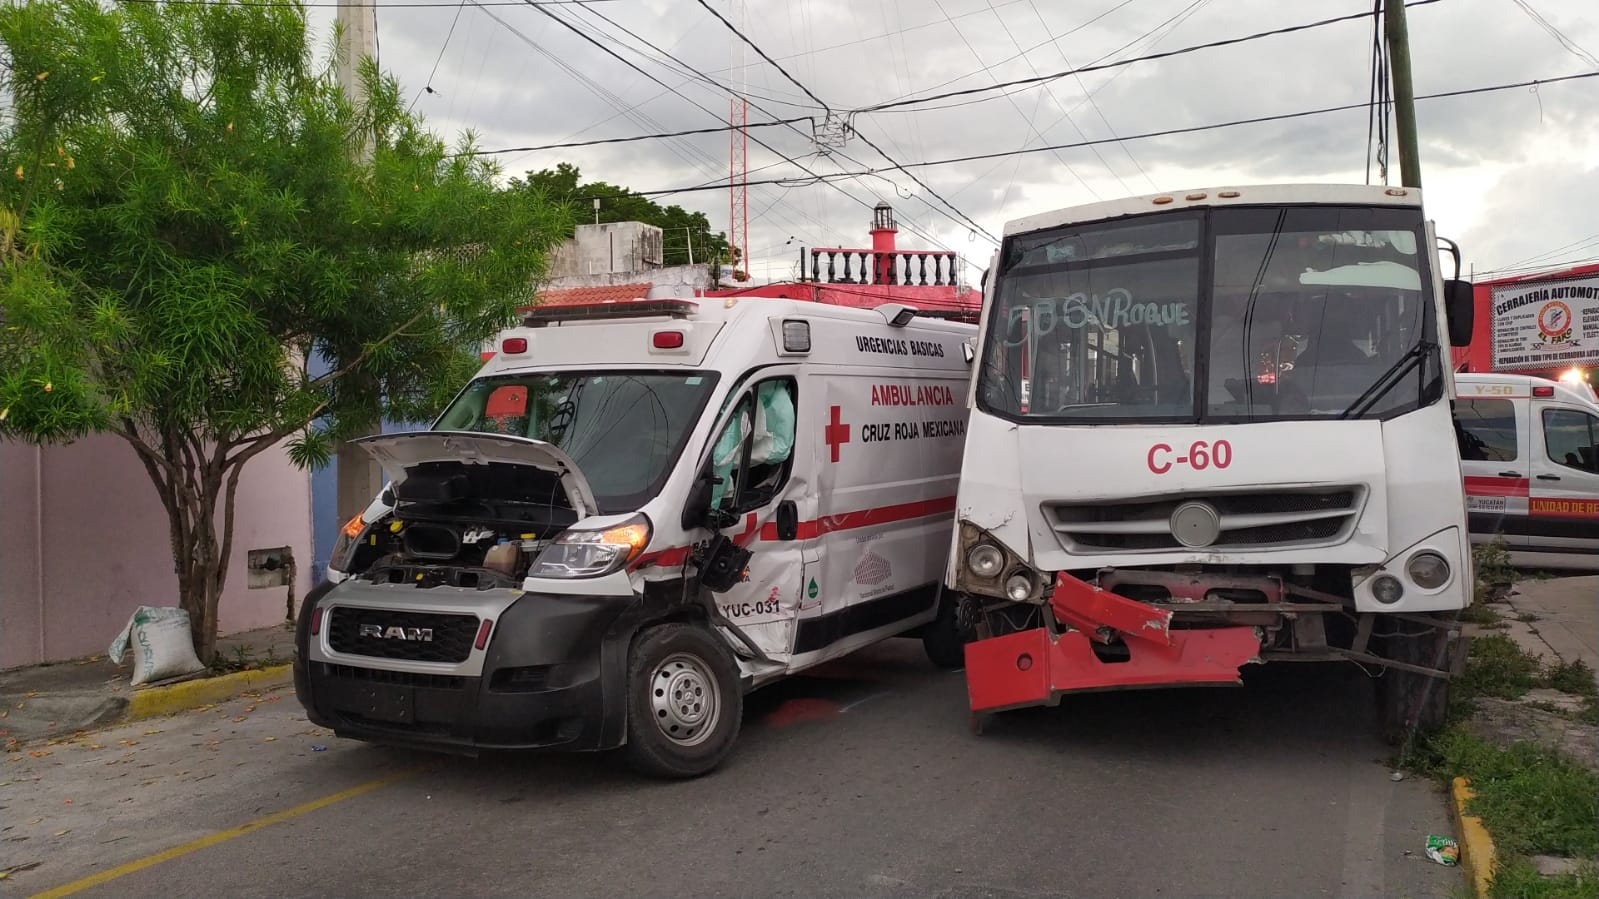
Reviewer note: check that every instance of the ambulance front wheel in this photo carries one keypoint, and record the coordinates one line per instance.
(945, 638)
(684, 703)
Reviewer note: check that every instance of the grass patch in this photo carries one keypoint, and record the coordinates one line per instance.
(1572, 677)
(244, 658)
(1526, 618)
(1520, 880)
(1532, 799)
(1499, 668)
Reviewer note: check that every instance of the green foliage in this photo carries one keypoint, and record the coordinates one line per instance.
(1499, 668)
(1518, 879)
(1531, 798)
(619, 205)
(1492, 563)
(192, 208)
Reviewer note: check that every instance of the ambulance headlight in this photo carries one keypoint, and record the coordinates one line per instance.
(593, 553)
(985, 560)
(1428, 569)
(344, 546)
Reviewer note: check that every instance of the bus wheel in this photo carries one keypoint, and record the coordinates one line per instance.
(684, 702)
(1409, 703)
(945, 638)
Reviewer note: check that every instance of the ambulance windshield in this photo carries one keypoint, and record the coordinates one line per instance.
(624, 429)
(1238, 314)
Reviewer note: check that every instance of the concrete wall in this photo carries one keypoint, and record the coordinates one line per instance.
(613, 247)
(83, 542)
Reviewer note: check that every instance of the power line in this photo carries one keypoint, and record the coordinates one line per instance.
(809, 137)
(1039, 79)
(720, 129)
(924, 185)
(1169, 132)
(613, 54)
(428, 85)
(1566, 42)
(770, 61)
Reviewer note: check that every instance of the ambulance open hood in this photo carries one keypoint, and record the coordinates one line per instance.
(401, 455)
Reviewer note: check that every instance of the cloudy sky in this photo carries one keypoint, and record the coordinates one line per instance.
(1512, 176)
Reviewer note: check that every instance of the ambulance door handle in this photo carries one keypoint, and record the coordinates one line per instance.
(787, 520)
(1510, 474)
(1548, 477)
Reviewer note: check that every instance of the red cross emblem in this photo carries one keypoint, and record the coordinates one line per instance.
(836, 433)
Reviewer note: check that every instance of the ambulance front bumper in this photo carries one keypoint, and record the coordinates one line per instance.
(551, 676)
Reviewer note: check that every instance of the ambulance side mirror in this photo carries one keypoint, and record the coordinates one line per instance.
(1459, 307)
(969, 350)
(697, 508)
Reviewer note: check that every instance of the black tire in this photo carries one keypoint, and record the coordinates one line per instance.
(684, 702)
(1410, 704)
(944, 639)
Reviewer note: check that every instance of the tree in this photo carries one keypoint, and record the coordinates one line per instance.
(619, 204)
(185, 222)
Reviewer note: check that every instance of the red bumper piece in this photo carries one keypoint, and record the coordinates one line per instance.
(1088, 608)
(1030, 668)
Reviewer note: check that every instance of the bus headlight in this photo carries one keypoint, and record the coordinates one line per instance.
(1018, 587)
(1387, 589)
(1428, 569)
(985, 560)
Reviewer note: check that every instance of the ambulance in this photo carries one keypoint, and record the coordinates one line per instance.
(636, 513)
(1529, 451)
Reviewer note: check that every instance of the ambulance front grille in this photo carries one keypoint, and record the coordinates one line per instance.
(1249, 520)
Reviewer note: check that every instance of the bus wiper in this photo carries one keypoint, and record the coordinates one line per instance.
(1386, 381)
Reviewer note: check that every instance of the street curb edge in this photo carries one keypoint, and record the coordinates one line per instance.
(1476, 845)
(158, 702)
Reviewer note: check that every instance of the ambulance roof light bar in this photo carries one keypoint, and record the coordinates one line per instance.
(542, 316)
(898, 314)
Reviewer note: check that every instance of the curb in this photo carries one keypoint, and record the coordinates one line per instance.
(157, 702)
(1476, 846)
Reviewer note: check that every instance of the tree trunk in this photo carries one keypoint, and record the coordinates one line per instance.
(190, 482)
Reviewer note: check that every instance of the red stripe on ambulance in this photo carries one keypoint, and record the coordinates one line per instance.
(674, 556)
(1491, 486)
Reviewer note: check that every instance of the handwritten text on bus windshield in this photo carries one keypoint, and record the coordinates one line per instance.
(1115, 309)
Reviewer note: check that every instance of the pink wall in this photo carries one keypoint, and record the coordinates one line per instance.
(102, 546)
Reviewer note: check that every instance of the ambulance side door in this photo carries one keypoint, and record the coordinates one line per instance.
(762, 455)
(1565, 479)
(1491, 427)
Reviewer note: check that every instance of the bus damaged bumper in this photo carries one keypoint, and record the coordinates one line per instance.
(1035, 667)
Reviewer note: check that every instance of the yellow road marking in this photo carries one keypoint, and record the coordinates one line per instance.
(221, 836)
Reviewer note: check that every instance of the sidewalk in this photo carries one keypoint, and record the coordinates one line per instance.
(1565, 613)
(52, 700)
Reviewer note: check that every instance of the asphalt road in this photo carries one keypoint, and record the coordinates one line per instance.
(861, 782)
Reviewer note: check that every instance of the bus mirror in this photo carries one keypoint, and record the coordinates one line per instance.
(969, 350)
(1459, 307)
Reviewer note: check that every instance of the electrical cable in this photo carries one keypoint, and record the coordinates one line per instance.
(810, 137)
(769, 60)
(1039, 79)
(428, 85)
(1192, 129)
(638, 137)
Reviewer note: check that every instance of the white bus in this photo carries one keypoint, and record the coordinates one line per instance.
(1211, 429)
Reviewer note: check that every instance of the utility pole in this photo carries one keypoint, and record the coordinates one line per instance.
(359, 476)
(1397, 35)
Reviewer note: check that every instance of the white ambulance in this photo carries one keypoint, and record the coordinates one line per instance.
(1529, 451)
(634, 514)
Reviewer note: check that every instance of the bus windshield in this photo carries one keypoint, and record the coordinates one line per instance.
(1236, 314)
(624, 429)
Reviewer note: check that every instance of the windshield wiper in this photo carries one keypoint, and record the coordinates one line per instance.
(1386, 381)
